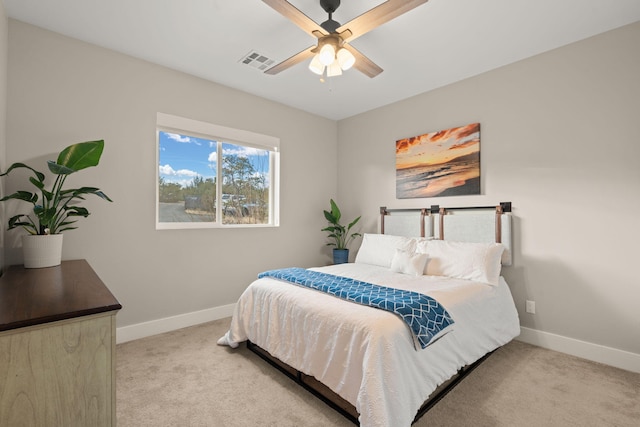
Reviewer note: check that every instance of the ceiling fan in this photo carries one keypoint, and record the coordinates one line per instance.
(333, 53)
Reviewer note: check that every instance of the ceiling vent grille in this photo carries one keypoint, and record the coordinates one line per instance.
(257, 60)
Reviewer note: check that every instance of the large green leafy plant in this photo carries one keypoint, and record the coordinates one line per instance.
(338, 233)
(54, 210)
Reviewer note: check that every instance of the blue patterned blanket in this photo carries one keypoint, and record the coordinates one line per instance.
(426, 318)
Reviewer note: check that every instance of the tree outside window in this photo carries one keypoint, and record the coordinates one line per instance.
(197, 189)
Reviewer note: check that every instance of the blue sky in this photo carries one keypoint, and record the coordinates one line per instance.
(182, 158)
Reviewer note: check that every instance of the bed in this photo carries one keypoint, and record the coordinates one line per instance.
(366, 362)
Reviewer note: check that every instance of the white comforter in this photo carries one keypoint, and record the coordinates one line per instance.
(367, 355)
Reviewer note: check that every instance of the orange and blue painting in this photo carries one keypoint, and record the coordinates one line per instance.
(443, 163)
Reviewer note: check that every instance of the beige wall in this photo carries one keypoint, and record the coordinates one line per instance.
(4, 33)
(63, 91)
(559, 138)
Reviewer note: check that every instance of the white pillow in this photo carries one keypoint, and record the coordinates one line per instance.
(479, 262)
(379, 249)
(408, 263)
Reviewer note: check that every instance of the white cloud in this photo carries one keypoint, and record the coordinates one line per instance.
(213, 157)
(243, 151)
(264, 179)
(179, 138)
(167, 170)
(184, 183)
(182, 177)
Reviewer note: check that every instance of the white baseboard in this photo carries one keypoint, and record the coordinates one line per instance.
(167, 324)
(586, 350)
(594, 352)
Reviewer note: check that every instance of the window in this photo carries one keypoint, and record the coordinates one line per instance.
(212, 176)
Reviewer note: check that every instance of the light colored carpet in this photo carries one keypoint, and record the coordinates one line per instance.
(182, 378)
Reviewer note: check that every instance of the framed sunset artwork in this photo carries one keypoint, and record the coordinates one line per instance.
(443, 163)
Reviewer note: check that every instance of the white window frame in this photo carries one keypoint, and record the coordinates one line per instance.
(180, 125)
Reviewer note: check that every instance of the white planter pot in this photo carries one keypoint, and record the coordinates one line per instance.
(42, 251)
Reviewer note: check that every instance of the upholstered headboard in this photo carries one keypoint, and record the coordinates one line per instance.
(463, 224)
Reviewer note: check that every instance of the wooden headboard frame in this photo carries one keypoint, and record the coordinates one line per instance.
(427, 218)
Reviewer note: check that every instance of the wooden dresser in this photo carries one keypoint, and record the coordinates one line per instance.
(57, 347)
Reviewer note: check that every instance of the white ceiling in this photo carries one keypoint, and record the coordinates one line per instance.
(438, 43)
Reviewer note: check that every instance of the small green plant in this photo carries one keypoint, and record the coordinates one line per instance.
(339, 234)
(53, 209)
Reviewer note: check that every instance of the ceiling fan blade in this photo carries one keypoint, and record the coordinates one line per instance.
(295, 59)
(363, 64)
(377, 16)
(292, 13)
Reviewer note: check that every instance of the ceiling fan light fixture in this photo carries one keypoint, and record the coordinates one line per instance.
(327, 54)
(336, 35)
(345, 59)
(334, 69)
(316, 66)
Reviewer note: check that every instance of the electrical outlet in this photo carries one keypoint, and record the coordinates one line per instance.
(531, 307)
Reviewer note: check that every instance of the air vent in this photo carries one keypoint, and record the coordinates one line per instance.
(257, 60)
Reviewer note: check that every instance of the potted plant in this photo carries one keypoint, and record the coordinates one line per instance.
(54, 210)
(340, 235)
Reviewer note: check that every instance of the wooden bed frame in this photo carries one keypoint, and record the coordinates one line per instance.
(331, 398)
